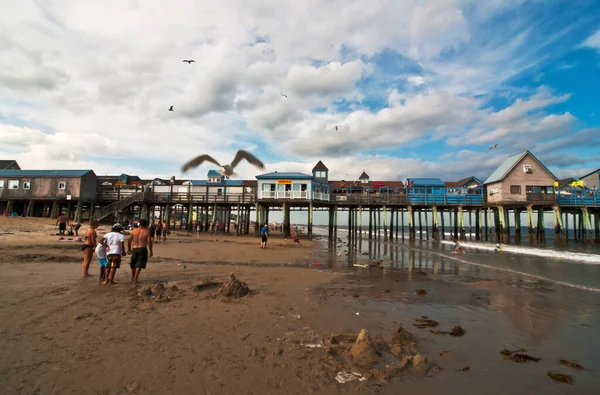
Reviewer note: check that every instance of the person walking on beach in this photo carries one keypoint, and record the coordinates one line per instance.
(296, 238)
(62, 222)
(139, 246)
(165, 227)
(265, 234)
(152, 229)
(88, 248)
(158, 231)
(115, 242)
(101, 255)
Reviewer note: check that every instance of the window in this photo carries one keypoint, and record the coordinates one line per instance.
(515, 189)
(13, 184)
(1, 184)
(320, 174)
(62, 185)
(26, 185)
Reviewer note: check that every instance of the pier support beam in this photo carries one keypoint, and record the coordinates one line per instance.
(78, 211)
(411, 223)
(286, 220)
(360, 212)
(310, 221)
(461, 218)
(426, 224)
(370, 223)
(402, 223)
(455, 233)
(478, 224)
(443, 226)
(189, 224)
(517, 219)
(557, 224)
(385, 230)
(597, 224)
(330, 227)
(392, 223)
(420, 226)
(531, 226)
(434, 217)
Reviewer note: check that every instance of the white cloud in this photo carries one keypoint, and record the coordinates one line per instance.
(593, 41)
(416, 80)
(89, 83)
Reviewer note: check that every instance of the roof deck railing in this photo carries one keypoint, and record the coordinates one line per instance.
(578, 197)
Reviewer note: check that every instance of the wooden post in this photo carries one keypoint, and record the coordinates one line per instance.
(330, 225)
(434, 216)
(397, 220)
(420, 226)
(288, 225)
(30, 208)
(557, 223)
(350, 223)
(78, 211)
(455, 234)
(238, 218)
(461, 219)
(443, 225)
(411, 223)
(426, 223)
(360, 215)
(10, 205)
(370, 222)
(541, 227)
(402, 225)
(566, 227)
(470, 225)
(392, 223)
(69, 211)
(517, 219)
(499, 220)
(597, 224)
(531, 226)
(310, 220)
(477, 224)
(378, 223)
(385, 230)
(487, 223)
(335, 223)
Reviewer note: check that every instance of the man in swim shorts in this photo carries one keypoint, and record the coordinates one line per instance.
(139, 246)
(265, 235)
(62, 222)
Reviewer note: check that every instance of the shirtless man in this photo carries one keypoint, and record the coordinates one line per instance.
(141, 242)
(62, 222)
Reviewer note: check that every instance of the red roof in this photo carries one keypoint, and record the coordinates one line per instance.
(320, 166)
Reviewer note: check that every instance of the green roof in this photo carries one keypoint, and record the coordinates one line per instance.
(506, 166)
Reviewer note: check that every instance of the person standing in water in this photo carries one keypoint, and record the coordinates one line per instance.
(88, 248)
(139, 246)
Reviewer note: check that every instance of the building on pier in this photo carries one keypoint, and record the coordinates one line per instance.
(9, 164)
(293, 185)
(592, 180)
(521, 178)
(30, 191)
(458, 187)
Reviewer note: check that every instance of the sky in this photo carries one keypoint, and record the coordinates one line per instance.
(415, 88)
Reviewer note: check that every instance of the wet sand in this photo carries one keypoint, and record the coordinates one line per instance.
(60, 333)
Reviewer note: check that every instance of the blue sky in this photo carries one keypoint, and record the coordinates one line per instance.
(417, 89)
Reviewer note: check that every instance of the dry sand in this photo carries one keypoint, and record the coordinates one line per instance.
(61, 333)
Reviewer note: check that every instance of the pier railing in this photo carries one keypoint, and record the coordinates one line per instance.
(465, 197)
(299, 195)
(180, 197)
(578, 197)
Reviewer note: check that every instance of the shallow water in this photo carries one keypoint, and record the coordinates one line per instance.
(544, 301)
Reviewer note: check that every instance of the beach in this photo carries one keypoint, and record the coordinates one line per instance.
(61, 333)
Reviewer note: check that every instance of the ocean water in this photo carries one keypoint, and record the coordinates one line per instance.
(543, 298)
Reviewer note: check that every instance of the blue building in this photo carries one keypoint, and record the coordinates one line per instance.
(294, 185)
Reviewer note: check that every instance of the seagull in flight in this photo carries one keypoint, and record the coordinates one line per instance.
(171, 108)
(494, 146)
(189, 61)
(284, 95)
(336, 128)
(227, 169)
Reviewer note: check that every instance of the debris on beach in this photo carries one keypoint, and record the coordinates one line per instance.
(234, 288)
(84, 316)
(506, 352)
(208, 283)
(147, 291)
(560, 377)
(419, 362)
(363, 351)
(522, 358)
(464, 369)
(421, 292)
(436, 332)
(457, 331)
(344, 377)
(571, 364)
(402, 336)
(159, 287)
(425, 323)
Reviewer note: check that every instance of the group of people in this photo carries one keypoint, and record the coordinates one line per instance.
(62, 221)
(111, 248)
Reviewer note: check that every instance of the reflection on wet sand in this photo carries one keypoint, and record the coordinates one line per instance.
(548, 307)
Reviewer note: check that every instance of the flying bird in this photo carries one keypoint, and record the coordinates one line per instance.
(190, 61)
(227, 169)
(171, 108)
(336, 128)
(284, 95)
(494, 146)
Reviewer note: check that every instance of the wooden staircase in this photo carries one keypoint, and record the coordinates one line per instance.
(118, 206)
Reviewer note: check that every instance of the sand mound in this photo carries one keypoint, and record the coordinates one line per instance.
(234, 288)
(402, 336)
(363, 351)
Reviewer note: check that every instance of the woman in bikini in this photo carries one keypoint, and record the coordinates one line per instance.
(88, 248)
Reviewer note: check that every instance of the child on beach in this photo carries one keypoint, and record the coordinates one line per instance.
(498, 248)
(457, 247)
(296, 239)
(101, 255)
(116, 248)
